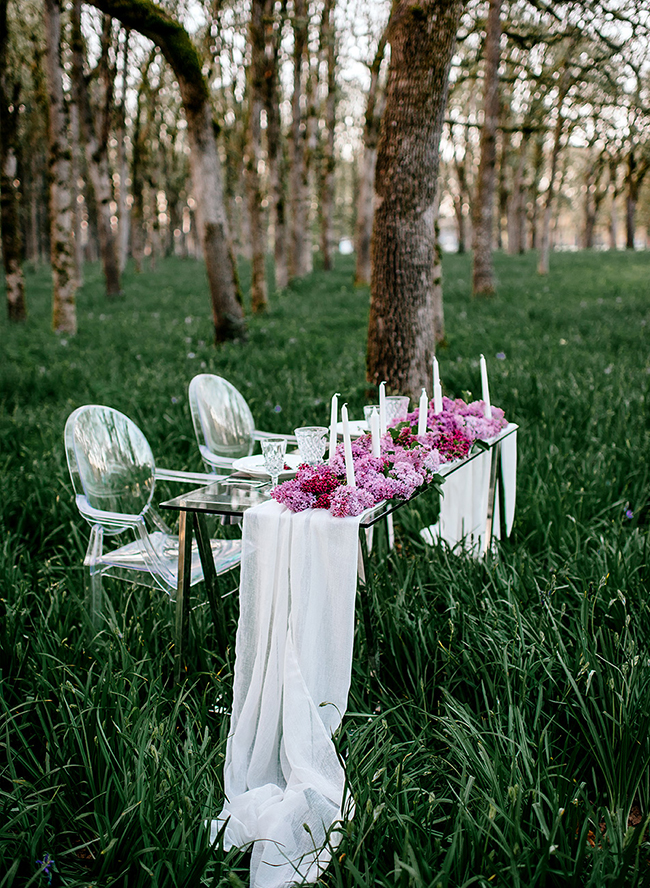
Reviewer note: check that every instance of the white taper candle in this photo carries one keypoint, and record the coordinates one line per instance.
(382, 408)
(486, 389)
(375, 433)
(334, 418)
(436, 373)
(437, 399)
(424, 409)
(347, 448)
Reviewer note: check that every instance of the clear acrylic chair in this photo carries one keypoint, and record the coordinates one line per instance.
(113, 475)
(223, 422)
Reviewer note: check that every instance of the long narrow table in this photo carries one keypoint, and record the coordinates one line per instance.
(232, 496)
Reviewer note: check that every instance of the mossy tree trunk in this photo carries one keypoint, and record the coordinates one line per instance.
(94, 125)
(9, 194)
(422, 34)
(300, 258)
(483, 283)
(256, 71)
(326, 184)
(274, 145)
(367, 166)
(545, 240)
(64, 276)
(179, 51)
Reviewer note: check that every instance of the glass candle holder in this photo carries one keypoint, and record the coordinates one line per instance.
(397, 406)
(311, 444)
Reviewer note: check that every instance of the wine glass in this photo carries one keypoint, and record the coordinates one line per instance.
(273, 450)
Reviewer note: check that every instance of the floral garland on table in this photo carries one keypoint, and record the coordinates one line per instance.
(408, 461)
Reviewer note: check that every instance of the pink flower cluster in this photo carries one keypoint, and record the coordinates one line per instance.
(408, 461)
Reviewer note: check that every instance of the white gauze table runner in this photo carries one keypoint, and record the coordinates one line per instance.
(464, 504)
(284, 783)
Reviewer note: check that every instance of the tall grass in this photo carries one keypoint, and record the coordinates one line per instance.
(507, 738)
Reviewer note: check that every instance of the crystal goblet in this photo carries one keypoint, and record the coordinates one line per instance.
(273, 451)
(397, 406)
(311, 444)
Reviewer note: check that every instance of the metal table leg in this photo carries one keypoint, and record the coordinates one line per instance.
(185, 526)
(365, 579)
(210, 579)
(489, 525)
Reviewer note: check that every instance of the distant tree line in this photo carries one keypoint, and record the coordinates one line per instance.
(131, 130)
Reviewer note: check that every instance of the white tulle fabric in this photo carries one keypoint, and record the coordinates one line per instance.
(284, 783)
(464, 505)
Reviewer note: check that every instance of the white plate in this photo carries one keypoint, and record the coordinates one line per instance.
(357, 427)
(254, 465)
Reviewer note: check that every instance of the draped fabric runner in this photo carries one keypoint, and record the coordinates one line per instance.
(284, 783)
(464, 505)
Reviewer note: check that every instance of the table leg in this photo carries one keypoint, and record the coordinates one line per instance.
(210, 579)
(182, 590)
(365, 577)
(489, 525)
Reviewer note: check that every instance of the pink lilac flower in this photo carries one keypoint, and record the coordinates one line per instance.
(293, 496)
(350, 501)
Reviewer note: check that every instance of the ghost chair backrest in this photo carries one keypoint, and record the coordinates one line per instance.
(223, 423)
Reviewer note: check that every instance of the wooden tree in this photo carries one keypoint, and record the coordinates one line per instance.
(326, 184)
(300, 258)
(64, 278)
(401, 328)
(175, 44)
(367, 165)
(94, 124)
(483, 271)
(256, 71)
(274, 150)
(9, 194)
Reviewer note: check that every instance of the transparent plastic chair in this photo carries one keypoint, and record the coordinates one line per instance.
(223, 422)
(113, 475)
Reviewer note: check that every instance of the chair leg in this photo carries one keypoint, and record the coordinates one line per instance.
(94, 581)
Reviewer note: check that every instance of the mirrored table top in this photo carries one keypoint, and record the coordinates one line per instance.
(233, 495)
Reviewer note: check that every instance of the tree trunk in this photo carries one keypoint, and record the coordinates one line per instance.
(326, 189)
(180, 53)
(123, 214)
(94, 125)
(64, 278)
(253, 160)
(365, 201)
(545, 243)
(517, 204)
(422, 34)
(483, 283)
(538, 165)
(9, 194)
(275, 154)
(438, 307)
(300, 259)
(636, 173)
(77, 192)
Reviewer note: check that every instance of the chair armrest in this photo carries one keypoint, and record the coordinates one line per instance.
(184, 477)
(259, 436)
(111, 520)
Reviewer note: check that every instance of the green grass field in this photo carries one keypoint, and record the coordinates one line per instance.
(511, 743)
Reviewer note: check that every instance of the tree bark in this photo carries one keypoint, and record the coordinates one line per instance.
(123, 214)
(300, 258)
(635, 174)
(177, 48)
(95, 127)
(422, 35)
(365, 200)
(9, 193)
(326, 204)
(256, 71)
(64, 278)
(545, 242)
(517, 204)
(483, 283)
(275, 154)
(437, 301)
